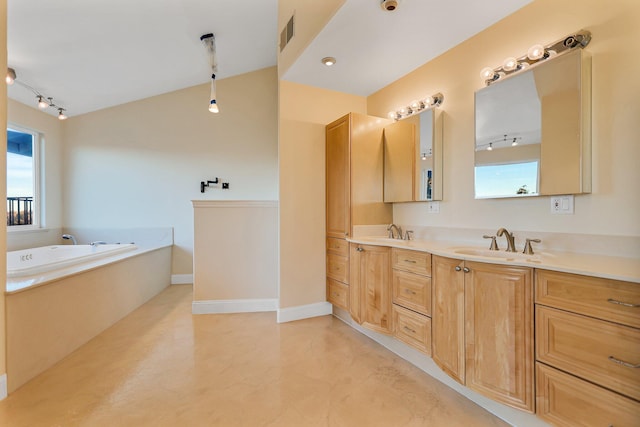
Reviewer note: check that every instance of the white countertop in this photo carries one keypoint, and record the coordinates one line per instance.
(609, 267)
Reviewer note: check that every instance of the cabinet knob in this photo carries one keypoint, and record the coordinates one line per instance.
(359, 249)
(466, 269)
(458, 268)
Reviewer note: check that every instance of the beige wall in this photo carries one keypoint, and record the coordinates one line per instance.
(140, 164)
(614, 205)
(51, 130)
(3, 185)
(304, 112)
(235, 250)
(310, 17)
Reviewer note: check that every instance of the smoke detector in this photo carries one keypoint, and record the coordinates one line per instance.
(389, 5)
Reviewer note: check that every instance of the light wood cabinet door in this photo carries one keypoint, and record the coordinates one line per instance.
(370, 281)
(412, 291)
(602, 352)
(338, 294)
(499, 333)
(566, 401)
(338, 178)
(447, 316)
(412, 328)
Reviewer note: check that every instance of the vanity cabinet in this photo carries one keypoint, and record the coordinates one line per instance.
(483, 328)
(354, 192)
(369, 286)
(587, 350)
(411, 295)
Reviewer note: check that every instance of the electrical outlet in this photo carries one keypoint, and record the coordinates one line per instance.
(562, 205)
(225, 185)
(433, 207)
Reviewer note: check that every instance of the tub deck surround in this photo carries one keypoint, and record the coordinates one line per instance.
(49, 320)
(597, 265)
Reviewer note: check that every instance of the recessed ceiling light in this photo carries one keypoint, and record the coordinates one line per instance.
(328, 61)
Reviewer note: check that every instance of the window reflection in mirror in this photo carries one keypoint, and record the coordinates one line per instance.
(533, 131)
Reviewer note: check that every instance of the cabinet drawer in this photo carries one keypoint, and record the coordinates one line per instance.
(338, 268)
(566, 401)
(338, 294)
(589, 348)
(412, 328)
(412, 291)
(414, 261)
(338, 246)
(606, 299)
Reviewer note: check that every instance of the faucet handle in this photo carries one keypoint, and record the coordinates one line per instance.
(494, 244)
(527, 246)
(408, 235)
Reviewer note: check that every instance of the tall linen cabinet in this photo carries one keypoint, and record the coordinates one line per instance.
(354, 193)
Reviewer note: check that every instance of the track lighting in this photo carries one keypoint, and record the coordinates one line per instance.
(44, 102)
(209, 42)
(11, 76)
(535, 54)
(417, 106)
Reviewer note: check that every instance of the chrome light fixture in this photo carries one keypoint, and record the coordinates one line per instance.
(11, 76)
(535, 54)
(417, 106)
(209, 42)
(43, 101)
(328, 61)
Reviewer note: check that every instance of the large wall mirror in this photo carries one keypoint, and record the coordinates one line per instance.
(413, 158)
(533, 131)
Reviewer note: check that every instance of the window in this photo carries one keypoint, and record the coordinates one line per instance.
(23, 202)
(515, 179)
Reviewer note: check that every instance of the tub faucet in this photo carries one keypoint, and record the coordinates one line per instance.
(70, 237)
(511, 244)
(98, 242)
(398, 231)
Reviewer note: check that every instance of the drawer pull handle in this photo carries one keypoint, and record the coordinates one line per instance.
(626, 304)
(406, 328)
(409, 291)
(623, 363)
(410, 260)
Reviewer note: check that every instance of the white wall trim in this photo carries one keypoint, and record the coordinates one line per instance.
(3, 386)
(182, 279)
(235, 203)
(425, 363)
(233, 306)
(290, 314)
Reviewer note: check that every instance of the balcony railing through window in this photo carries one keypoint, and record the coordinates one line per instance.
(19, 210)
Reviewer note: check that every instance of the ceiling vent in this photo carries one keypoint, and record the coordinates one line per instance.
(287, 34)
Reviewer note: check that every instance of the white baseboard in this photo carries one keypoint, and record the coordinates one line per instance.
(3, 386)
(234, 306)
(425, 363)
(182, 279)
(304, 311)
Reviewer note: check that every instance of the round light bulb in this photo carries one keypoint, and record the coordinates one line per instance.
(415, 105)
(510, 64)
(11, 76)
(428, 101)
(392, 115)
(213, 107)
(535, 52)
(490, 147)
(61, 115)
(487, 73)
(42, 104)
(402, 111)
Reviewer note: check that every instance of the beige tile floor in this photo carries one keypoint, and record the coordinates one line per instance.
(161, 366)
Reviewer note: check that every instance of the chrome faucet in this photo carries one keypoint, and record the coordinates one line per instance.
(398, 231)
(511, 244)
(70, 237)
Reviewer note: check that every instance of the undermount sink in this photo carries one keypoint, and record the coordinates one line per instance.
(501, 255)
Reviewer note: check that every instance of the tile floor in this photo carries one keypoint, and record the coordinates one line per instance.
(161, 366)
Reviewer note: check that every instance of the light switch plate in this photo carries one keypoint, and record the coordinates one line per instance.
(562, 205)
(433, 207)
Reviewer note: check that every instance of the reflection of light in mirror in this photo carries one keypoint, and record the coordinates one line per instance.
(490, 147)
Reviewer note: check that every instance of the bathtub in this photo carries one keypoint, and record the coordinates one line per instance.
(28, 262)
(59, 297)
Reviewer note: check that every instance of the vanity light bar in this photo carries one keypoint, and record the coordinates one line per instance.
(535, 54)
(417, 106)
